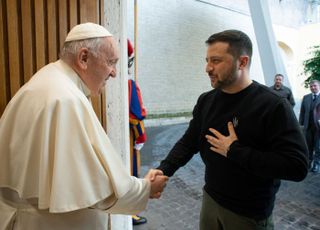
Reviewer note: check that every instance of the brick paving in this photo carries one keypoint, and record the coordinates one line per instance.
(297, 205)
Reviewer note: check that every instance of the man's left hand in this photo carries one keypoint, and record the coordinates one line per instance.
(220, 143)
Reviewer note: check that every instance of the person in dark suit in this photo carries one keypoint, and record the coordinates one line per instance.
(282, 90)
(309, 118)
(248, 138)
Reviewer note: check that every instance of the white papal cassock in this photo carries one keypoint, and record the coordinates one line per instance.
(58, 169)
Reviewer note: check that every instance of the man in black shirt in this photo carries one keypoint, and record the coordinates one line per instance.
(248, 138)
(282, 90)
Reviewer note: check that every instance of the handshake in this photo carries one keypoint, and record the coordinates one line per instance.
(158, 182)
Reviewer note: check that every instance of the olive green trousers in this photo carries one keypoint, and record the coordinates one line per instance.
(215, 217)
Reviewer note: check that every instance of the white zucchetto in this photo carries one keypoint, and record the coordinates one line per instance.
(86, 31)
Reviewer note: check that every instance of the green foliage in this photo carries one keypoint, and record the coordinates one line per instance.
(311, 66)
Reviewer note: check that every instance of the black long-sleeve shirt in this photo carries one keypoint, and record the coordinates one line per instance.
(270, 147)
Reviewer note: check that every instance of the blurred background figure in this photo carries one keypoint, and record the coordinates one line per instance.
(282, 90)
(309, 119)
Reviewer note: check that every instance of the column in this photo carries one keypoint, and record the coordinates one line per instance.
(270, 56)
(117, 95)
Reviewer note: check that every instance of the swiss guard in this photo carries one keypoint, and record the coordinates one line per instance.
(138, 137)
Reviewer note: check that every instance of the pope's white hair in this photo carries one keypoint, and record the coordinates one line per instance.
(70, 49)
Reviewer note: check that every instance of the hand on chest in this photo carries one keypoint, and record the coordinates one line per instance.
(248, 125)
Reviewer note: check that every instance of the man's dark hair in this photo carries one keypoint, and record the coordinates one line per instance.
(239, 42)
(314, 82)
(279, 74)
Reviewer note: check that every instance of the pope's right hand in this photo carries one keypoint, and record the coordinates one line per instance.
(158, 182)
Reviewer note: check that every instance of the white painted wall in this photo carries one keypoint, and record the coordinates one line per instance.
(308, 36)
(171, 48)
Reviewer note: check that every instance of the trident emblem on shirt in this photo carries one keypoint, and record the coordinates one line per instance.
(235, 122)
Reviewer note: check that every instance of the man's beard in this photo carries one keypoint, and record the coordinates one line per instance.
(230, 78)
(278, 86)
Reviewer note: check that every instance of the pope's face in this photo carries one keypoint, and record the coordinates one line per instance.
(102, 67)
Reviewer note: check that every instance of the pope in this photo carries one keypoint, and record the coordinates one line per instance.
(58, 168)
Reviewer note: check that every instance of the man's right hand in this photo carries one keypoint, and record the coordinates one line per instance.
(158, 182)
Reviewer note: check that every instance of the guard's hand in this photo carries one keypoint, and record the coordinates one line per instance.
(220, 143)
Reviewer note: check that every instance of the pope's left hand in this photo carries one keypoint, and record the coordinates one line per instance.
(220, 143)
